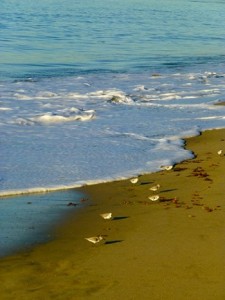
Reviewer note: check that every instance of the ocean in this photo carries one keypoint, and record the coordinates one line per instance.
(93, 91)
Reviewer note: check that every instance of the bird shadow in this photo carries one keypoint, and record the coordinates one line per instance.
(113, 242)
(178, 169)
(166, 191)
(146, 182)
(166, 200)
(119, 218)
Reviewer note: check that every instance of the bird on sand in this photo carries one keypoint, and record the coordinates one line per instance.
(155, 188)
(95, 239)
(220, 152)
(106, 216)
(167, 168)
(154, 198)
(134, 180)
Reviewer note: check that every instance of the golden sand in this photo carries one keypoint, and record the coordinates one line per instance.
(172, 248)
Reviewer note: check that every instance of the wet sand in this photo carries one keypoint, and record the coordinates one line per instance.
(172, 248)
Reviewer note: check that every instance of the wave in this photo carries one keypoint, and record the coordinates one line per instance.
(68, 115)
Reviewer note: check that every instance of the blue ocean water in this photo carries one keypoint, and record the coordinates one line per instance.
(62, 38)
(93, 91)
(84, 83)
(60, 59)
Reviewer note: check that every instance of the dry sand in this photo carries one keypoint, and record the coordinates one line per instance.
(173, 248)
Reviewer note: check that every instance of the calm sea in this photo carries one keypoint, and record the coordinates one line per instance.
(69, 37)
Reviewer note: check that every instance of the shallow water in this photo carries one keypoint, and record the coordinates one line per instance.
(30, 219)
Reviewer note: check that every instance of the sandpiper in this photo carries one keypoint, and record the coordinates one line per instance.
(106, 216)
(134, 180)
(95, 239)
(155, 188)
(220, 152)
(154, 198)
(167, 168)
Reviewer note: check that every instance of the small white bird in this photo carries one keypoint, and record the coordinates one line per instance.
(155, 188)
(167, 168)
(134, 180)
(95, 239)
(154, 198)
(220, 152)
(106, 216)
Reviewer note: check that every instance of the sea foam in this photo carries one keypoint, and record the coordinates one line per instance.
(61, 133)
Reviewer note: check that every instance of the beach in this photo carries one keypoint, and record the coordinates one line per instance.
(171, 248)
(99, 105)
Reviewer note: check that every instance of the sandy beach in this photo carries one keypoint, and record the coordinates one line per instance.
(172, 248)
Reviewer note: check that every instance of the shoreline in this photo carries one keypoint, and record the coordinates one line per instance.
(167, 249)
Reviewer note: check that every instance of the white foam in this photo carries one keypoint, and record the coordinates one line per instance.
(37, 190)
(5, 108)
(211, 118)
(46, 94)
(169, 96)
(114, 96)
(137, 123)
(140, 88)
(70, 115)
(22, 96)
(76, 96)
